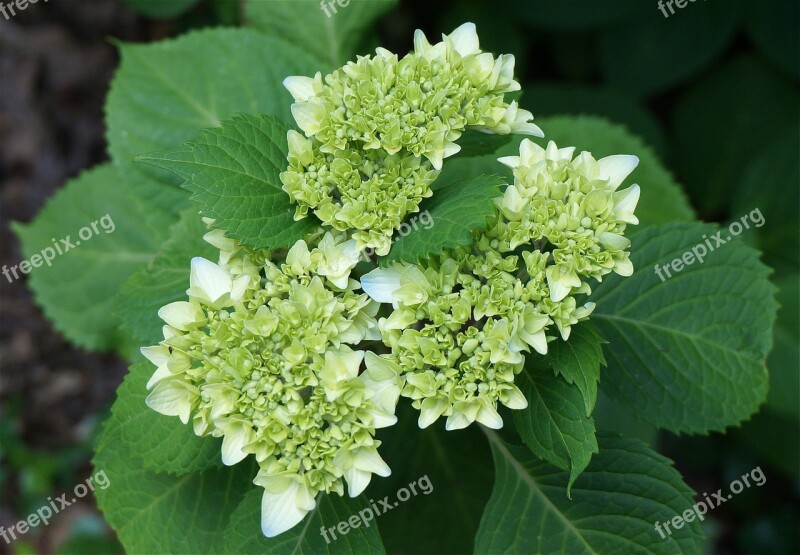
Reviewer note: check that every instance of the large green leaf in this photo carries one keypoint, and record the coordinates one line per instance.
(165, 93)
(555, 425)
(577, 360)
(164, 280)
(614, 507)
(458, 466)
(456, 211)
(330, 31)
(770, 186)
(698, 339)
(78, 290)
(161, 513)
(655, 52)
(721, 123)
(233, 173)
(243, 534)
(163, 443)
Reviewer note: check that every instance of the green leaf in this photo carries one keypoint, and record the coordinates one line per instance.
(655, 52)
(716, 133)
(662, 198)
(687, 353)
(784, 359)
(554, 425)
(233, 173)
(624, 492)
(164, 280)
(163, 443)
(577, 360)
(456, 211)
(161, 9)
(328, 30)
(243, 534)
(458, 466)
(772, 26)
(622, 108)
(165, 93)
(770, 185)
(161, 513)
(78, 291)
(475, 143)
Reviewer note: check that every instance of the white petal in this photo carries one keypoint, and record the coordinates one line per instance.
(158, 355)
(616, 168)
(464, 39)
(489, 417)
(309, 116)
(369, 460)
(233, 442)
(171, 398)
(301, 87)
(625, 203)
(431, 411)
(161, 373)
(515, 399)
(380, 283)
(282, 511)
(357, 481)
(210, 279)
(181, 315)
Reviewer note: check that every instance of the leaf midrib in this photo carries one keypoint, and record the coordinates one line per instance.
(495, 440)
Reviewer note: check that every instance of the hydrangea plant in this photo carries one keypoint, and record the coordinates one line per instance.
(290, 339)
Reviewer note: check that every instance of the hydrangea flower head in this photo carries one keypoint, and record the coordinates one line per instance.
(262, 354)
(462, 321)
(376, 132)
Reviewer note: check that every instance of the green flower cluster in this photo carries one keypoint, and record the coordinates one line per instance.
(462, 320)
(378, 129)
(259, 355)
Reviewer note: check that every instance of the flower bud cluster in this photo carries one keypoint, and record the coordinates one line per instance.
(260, 355)
(378, 129)
(462, 321)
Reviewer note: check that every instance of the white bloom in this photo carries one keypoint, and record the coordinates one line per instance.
(463, 40)
(173, 397)
(182, 315)
(360, 465)
(213, 286)
(616, 168)
(341, 366)
(303, 88)
(336, 260)
(625, 203)
(285, 502)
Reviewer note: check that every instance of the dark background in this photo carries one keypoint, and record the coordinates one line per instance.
(713, 89)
